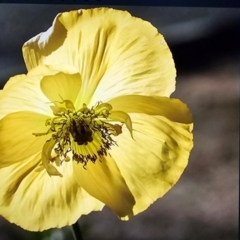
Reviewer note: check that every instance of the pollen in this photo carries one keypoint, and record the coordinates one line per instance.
(80, 135)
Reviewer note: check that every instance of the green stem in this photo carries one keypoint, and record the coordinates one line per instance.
(76, 231)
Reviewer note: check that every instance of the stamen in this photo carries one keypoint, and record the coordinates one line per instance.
(82, 135)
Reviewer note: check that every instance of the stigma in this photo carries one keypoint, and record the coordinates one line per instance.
(79, 135)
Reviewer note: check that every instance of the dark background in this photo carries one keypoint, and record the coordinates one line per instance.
(205, 45)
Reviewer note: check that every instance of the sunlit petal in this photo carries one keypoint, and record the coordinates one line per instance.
(45, 43)
(170, 108)
(103, 181)
(22, 93)
(61, 86)
(35, 201)
(152, 163)
(120, 55)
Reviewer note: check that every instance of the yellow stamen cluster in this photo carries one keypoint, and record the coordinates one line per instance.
(83, 135)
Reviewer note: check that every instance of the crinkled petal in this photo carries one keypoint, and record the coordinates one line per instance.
(152, 163)
(35, 201)
(103, 181)
(45, 70)
(115, 53)
(170, 108)
(45, 43)
(17, 141)
(23, 93)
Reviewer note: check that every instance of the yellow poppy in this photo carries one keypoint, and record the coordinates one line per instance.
(91, 123)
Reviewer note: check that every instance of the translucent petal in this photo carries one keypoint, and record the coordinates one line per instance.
(14, 80)
(171, 108)
(17, 141)
(45, 70)
(152, 163)
(45, 43)
(35, 201)
(103, 181)
(23, 93)
(61, 86)
(115, 53)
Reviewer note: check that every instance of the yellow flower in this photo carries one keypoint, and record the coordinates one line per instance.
(91, 123)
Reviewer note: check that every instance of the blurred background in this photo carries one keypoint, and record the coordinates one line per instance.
(205, 45)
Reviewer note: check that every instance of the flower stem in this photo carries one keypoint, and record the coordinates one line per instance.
(76, 231)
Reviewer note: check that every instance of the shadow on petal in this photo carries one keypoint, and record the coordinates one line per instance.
(17, 141)
(36, 202)
(152, 164)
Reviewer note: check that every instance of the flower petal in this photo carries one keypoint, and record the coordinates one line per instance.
(45, 43)
(17, 141)
(46, 156)
(120, 55)
(122, 117)
(14, 80)
(152, 163)
(61, 86)
(103, 181)
(23, 93)
(35, 201)
(171, 108)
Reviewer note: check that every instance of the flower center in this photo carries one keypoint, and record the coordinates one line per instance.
(81, 135)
